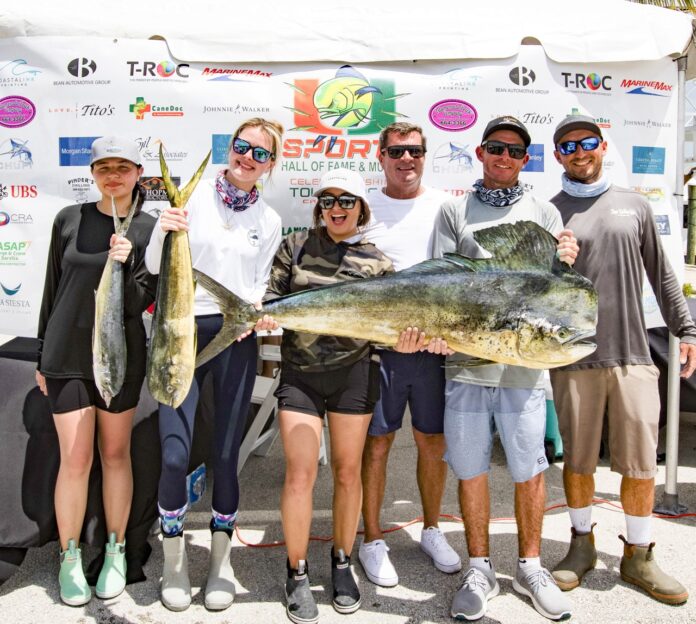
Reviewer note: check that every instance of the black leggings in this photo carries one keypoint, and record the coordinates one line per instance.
(233, 373)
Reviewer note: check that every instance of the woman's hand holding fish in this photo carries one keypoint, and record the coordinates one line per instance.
(174, 220)
(438, 346)
(120, 248)
(567, 248)
(410, 341)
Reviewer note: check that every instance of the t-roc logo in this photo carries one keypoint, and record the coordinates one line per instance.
(82, 67)
(522, 76)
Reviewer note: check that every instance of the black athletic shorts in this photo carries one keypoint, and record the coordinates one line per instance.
(351, 389)
(68, 395)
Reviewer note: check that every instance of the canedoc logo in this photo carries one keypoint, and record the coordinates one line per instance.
(16, 111)
(647, 87)
(82, 67)
(452, 115)
(10, 291)
(590, 82)
(75, 151)
(536, 158)
(140, 107)
(522, 76)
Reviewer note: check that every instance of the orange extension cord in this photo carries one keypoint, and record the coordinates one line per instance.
(319, 538)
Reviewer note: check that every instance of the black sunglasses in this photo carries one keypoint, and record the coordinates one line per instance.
(397, 151)
(498, 147)
(259, 154)
(588, 144)
(345, 202)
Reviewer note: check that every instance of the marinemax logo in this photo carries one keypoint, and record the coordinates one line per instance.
(141, 108)
(647, 87)
(75, 151)
(233, 74)
(452, 115)
(16, 111)
(15, 154)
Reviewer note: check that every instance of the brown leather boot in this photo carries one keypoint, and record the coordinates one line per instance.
(638, 567)
(581, 558)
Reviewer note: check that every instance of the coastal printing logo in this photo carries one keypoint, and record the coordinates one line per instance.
(16, 111)
(82, 69)
(593, 82)
(149, 150)
(75, 151)
(233, 74)
(140, 108)
(452, 115)
(346, 105)
(452, 157)
(15, 155)
(17, 73)
(459, 80)
(655, 88)
(15, 218)
(648, 159)
(535, 164)
(150, 71)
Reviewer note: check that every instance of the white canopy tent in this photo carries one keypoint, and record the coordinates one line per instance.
(594, 31)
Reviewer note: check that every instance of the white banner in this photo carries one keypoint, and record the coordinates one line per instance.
(58, 94)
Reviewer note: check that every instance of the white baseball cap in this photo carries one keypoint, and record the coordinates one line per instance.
(115, 147)
(346, 180)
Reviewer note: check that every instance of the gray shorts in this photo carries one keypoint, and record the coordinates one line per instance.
(473, 414)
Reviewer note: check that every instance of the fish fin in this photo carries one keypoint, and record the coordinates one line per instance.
(236, 312)
(368, 89)
(169, 186)
(451, 263)
(473, 362)
(193, 182)
(519, 245)
(349, 71)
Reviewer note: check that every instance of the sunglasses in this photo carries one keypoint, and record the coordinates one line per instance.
(570, 147)
(345, 202)
(259, 154)
(498, 147)
(397, 151)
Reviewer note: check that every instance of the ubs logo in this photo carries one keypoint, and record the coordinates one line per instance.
(82, 67)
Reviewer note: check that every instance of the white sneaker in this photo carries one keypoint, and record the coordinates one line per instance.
(375, 561)
(434, 544)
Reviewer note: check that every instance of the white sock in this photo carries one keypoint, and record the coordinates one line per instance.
(581, 519)
(638, 530)
(529, 564)
(482, 563)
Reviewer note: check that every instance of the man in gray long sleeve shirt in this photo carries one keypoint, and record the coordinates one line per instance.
(618, 238)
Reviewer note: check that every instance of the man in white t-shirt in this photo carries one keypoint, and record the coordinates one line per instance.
(403, 213)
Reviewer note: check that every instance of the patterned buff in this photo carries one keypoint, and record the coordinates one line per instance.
(222, 522)
(232, 197)
(172, 522)
(498, 197)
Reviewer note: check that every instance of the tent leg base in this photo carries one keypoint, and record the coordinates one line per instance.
(670, 506)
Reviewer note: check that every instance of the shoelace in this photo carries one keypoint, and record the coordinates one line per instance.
(539, 578)
(475, 579)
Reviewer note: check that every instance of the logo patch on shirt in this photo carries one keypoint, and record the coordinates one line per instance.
(253, 237)
(621, 212)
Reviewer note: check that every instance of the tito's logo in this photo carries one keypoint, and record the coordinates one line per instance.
(347, 104)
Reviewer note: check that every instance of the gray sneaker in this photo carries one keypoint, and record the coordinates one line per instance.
(547, 597)
(471, 600)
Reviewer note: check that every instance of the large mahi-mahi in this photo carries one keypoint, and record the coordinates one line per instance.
(172, 351)
(522, 306)
(109, 356)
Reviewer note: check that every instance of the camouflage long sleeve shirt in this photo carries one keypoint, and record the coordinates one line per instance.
(310, 259)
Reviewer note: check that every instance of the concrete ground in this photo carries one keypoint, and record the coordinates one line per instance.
(423, 594)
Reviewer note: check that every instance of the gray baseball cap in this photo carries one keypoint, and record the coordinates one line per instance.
(115, 147)
(507, 122)
(575, 122)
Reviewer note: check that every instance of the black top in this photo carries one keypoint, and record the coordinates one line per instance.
(76, 260)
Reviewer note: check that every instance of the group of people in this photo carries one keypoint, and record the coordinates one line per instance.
(606, 232)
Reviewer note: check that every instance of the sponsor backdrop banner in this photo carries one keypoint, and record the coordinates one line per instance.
(59, 94)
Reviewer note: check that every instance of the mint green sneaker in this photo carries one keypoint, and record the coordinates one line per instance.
(74, 590)
(112, 578)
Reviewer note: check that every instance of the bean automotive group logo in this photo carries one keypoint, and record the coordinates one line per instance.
(524, 79)
(346, 105)
(140, 108)
(655, 88)
(587, 83)
(16, 111)
(83, 69)
(17, 73)
(15, 155)
(150, 71)
(75, 151)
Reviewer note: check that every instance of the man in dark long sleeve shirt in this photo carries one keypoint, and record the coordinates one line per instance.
(618, 240)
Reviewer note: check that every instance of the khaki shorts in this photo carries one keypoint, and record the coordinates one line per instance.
(630, 398)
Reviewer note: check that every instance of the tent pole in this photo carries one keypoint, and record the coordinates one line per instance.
(670, 500)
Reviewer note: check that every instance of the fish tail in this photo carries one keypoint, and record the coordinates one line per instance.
(237, 317)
